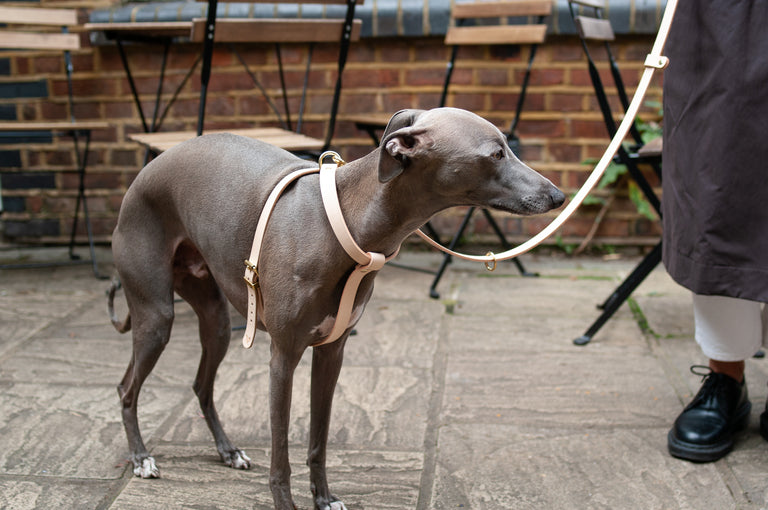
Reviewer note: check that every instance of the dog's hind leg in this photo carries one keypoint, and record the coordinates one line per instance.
(152, 322)
(326, 365)
(210, 305)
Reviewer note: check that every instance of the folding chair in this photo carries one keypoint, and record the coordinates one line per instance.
(30, 28)
(503, 22)
(593, 26)
(512, 22)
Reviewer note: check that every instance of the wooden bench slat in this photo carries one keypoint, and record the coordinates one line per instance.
(595, 29)
(652, 148)
(38, 41)
(52, 126)
(152, 28)
(498, 34)
(598, 4)
(275, 30)
(373, 119)
(38, 16)
(287, 140)
(344, 2)
(501, 9)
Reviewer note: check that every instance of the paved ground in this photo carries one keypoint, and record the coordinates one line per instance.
(478, 400)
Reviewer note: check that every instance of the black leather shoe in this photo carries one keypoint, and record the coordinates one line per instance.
(764, 422)
(704, 430)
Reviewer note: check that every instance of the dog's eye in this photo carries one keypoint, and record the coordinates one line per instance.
(499, 154)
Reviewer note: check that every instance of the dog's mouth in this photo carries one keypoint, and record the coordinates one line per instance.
(526, 206)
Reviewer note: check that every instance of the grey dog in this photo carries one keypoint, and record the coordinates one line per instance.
(186, 224)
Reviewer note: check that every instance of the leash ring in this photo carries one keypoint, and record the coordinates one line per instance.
(493, 260)
(334, 156)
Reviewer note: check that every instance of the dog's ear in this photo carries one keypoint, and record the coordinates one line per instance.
(403, 118)
(399, 143)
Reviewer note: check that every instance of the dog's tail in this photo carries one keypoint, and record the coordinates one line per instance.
(120, 326)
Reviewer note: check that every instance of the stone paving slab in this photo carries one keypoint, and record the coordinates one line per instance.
(477, 400)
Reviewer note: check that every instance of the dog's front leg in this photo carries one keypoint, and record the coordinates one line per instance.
(281, 368)
(326, 365)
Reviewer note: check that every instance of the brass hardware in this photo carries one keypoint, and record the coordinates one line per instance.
(491, 267)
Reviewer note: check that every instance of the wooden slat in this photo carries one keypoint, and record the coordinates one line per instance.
(275, 30)
(377, 120)
(288, 140)
(156, 28)
(358, 2)
(38, 16)
(652, 148)
(598, 4)
(499, 34)
(594, 28)
(501, 9)
(38, 41)
(52, 126)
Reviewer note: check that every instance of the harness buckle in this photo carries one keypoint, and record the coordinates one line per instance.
(252, 282)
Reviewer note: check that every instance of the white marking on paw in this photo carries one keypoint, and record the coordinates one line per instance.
(240, 460)
(148, 469)
(338, 505)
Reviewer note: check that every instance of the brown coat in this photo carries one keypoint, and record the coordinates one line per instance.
(715, 182)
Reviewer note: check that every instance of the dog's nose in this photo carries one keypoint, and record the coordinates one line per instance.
(557, 197)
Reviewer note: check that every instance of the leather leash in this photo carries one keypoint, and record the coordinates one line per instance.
(655, 60)
(367, 262)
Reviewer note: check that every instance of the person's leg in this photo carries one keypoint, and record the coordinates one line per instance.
(729, 331)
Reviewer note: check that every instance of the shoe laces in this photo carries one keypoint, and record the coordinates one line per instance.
(711, 387)
(702, 370)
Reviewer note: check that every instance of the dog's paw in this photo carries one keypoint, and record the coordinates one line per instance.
(237, 459)
(333, 505)
(147, 469)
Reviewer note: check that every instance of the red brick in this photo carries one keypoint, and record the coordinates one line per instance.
(492, 77)
(124, 158)
(119, 110)
(394, 51)
(53, 64)
(471, 102)
(566, 102)
(59, 157)
(588, 129)
(550, 128)
(364, 78)
(562, 52)
(564, 152)
(542, 77)
(424, 76)
(34, 204)
(87, 111)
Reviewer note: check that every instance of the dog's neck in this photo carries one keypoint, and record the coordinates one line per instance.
(381, 215)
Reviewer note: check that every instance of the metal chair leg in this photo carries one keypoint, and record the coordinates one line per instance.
(622, 292)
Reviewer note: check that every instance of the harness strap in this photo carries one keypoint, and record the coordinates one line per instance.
(251, 263)
(367, 262)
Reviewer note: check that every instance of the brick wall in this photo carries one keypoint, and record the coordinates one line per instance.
(560, 127)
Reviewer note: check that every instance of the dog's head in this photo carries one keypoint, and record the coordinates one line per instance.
(468, 161)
